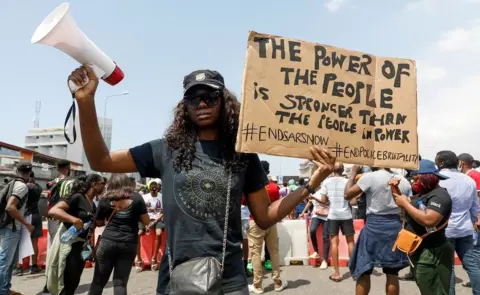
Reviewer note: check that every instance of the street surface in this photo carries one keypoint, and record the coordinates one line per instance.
(301, 280)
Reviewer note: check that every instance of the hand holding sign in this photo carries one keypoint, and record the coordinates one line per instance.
(324, 161)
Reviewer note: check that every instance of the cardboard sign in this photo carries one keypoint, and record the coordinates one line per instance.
(296, 94)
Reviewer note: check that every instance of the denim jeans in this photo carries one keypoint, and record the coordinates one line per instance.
(315, 223)
(8, 257)
(470, 260)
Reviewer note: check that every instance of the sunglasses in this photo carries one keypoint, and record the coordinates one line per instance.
(210, 99)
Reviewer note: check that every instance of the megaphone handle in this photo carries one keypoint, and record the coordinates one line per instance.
(74, 87)
(98, 72)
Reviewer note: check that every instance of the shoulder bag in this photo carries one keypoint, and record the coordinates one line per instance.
(321, 210)
(203, 275)
(408, 242)
(99, 239)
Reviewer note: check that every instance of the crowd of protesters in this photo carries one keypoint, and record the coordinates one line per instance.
(212, 201)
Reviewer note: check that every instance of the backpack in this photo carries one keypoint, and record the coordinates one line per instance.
(44, 203)
(60, 191)
(5, 193)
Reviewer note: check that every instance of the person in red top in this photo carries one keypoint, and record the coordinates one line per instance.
(273, 190)
(465, 165)
(274, 194)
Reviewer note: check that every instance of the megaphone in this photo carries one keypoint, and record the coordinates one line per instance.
(59, 30)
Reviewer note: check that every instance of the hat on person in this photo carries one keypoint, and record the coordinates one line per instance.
(273, 178)
(428, 167)
(24, 165)
(212, 79)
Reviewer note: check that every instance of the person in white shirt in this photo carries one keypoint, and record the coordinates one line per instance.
(460, 228)
(339, 215)
(153, 202)
(155, 211)
(318, 217)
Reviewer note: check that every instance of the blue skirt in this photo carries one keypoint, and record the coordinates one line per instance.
(374, 245)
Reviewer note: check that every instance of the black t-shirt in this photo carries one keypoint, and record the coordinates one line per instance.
(194, 205)
(34, 192)
(81, 208)
(123, 226)
(440, 201)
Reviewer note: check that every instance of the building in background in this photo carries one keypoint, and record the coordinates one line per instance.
(44, 166)
(306, 169)
(52, 142)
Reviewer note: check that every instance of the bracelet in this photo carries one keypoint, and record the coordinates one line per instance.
(308, 188)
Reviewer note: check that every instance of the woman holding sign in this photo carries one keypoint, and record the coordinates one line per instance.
(203, 180)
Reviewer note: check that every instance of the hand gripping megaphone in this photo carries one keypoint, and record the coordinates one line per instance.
(59, 30)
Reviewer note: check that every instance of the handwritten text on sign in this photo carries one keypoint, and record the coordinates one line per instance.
(297, 94)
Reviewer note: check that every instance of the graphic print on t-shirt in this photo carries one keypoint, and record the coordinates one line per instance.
(202, 191)
(154, 207)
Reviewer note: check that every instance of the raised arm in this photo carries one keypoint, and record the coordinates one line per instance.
(97, 153)
(352, 190)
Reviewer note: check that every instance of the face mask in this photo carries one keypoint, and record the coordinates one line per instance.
(417, 187)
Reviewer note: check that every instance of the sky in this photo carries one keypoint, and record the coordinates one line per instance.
(156, 43)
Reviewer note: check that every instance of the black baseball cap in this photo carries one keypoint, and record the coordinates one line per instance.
(24, 165)
(208, 78)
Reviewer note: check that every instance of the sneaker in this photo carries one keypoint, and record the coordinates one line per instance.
(255, 290)
(268, 265)
(314, 255)
(324, 265)
(282, 286)
(17, 272)
(34, 270)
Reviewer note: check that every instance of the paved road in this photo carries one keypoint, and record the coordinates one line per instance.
(301, 279)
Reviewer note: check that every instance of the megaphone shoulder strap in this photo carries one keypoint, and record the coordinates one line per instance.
(71, 112)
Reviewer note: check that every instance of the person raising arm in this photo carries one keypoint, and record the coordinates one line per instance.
(201, 174)
(121, 161)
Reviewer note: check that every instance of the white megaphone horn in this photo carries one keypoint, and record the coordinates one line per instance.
(59, 30)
